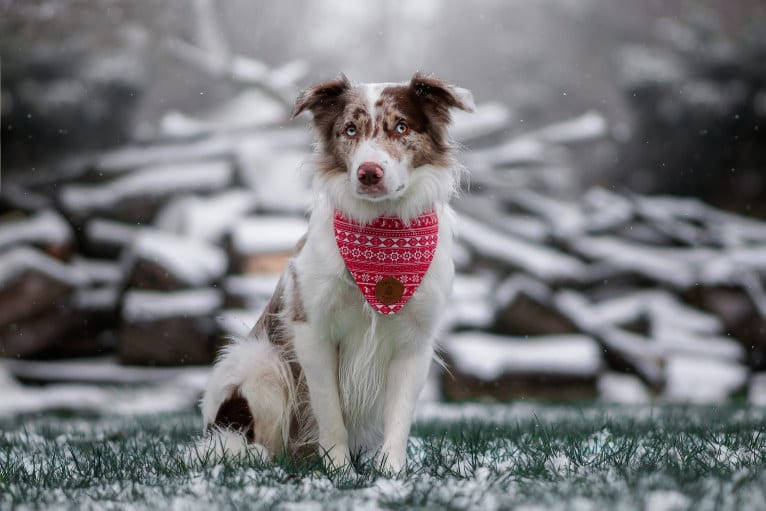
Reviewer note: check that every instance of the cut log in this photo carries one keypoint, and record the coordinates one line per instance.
(497, 367)
(163, 261)
(263, 244)
(169, 328)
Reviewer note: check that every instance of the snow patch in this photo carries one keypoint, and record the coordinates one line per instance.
(489, 356)
(622, 388)
(537, 260)
(148, 182)
(193, 262)
(206, 219)
(263, 234)
(700, 379)
(46, 227)
(17, 261)
(145, 306)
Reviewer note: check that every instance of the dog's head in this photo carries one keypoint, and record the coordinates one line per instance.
(377, 137)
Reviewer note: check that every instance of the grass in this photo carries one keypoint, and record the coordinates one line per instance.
(478, 456)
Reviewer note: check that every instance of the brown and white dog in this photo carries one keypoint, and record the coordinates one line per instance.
(329, 366)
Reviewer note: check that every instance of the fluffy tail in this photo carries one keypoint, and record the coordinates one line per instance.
(246, 408)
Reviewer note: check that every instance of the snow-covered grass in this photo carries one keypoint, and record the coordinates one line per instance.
(520, 456)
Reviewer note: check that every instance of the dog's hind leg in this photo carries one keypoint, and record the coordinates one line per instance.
(247, 402)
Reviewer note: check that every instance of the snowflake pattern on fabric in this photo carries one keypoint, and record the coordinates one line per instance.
(387, 248)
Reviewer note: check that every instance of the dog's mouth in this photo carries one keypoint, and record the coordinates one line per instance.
(378, 193)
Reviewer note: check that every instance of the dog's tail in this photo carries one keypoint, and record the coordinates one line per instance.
(247, 405)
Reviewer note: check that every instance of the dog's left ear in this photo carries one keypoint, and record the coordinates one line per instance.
(441, 95)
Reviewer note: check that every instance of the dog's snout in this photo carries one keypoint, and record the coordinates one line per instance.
(370, 173)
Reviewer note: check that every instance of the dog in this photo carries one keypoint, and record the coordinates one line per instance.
(336, 362)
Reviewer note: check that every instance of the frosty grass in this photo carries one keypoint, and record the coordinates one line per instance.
(521, 456)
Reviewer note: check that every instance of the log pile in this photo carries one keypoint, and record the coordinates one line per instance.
(157, 251)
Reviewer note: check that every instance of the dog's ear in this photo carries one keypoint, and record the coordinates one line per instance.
(440, 96)
(325, 95)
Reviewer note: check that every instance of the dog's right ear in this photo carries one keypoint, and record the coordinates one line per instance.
(324, 95)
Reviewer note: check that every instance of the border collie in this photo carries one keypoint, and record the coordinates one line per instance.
(337, 360)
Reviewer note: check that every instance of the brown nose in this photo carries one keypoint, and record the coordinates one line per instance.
(369, 173)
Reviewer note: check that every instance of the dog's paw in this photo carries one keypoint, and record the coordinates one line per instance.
(336, 458)
(391, 463)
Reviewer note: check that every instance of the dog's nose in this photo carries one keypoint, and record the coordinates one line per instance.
(369, 173)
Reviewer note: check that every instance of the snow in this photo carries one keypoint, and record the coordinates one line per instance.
(146, 306)
(88, 399)
(471, 305)
(515, 152)
(16, 261)
(276, 177)
(97, 299)
(99, 371)
(84, 387)
(589, 126)
(541, 262)
(665, 265)
(489, 356)
(205, 218)
(525, 226)
(253, 290)
(511, 287)
(676, 340)
(128, 158)
(109, 232)
(193, 262)
(702, 379)
(46, 227)
(756, 394)
(661, 307)
(641, 66)
(147, 182)
(641, 352)
(249, 108)
(100, 271)
(486, 119)
(267, 233)
(622, 388)
(565, 218)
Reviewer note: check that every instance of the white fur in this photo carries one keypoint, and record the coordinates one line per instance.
(364, 370)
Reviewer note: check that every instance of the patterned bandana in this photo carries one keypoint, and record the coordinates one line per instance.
(387, 258)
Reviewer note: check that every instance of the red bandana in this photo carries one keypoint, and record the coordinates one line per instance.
(387, 258)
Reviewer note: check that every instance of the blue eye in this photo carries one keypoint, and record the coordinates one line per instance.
(401, 128)
(351, 131)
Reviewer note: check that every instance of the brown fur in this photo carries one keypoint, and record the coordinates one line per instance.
(234, 414)
(423, 105)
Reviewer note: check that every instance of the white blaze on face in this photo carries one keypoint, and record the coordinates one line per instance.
(371, 150)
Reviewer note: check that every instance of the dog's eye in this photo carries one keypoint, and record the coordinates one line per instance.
(351, 131)
(401, 128)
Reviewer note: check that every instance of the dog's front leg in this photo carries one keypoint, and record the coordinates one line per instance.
(406, 377)
(319, 360)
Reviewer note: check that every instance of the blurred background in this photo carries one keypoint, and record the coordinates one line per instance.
(613, 237)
